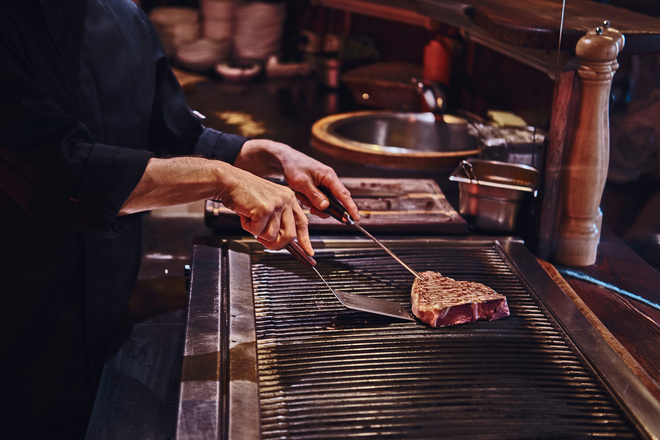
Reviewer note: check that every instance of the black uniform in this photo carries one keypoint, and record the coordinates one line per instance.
(86, 99)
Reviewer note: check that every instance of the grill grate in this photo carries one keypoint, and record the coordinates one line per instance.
(327, 372)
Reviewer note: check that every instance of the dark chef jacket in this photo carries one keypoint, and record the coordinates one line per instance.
(86, 99)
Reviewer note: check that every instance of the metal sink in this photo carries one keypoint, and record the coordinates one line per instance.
(395, 139)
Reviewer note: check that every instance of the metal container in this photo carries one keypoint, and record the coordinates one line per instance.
(492, 194)
(522, 145)
(386, 85)
(403, 140)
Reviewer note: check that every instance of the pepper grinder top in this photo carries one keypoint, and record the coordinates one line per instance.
(600, 45)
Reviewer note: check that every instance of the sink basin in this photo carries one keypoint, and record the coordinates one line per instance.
(395, 139)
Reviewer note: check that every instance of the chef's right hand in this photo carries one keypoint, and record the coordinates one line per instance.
(268, 211)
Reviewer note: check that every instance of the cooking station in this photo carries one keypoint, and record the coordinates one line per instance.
(269, 351)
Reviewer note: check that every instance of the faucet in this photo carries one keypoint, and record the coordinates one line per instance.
(433, 94)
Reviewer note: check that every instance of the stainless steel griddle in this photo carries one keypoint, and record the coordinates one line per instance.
(270, 352)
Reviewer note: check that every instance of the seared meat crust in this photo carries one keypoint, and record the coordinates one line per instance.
(440, 301)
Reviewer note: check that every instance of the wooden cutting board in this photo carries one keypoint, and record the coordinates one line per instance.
(403, 206)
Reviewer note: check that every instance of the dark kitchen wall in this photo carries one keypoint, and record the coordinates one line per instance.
(148, 4)
(481, 79)
(648, 7)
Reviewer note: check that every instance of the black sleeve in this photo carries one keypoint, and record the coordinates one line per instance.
(48, 162)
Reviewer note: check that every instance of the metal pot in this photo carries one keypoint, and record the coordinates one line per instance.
(492, 194)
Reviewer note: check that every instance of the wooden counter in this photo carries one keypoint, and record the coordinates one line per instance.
(537, 24)
(527, 32)
(634, 325)
(533, 23)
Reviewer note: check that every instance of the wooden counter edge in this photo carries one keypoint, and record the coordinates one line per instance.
(613, 342)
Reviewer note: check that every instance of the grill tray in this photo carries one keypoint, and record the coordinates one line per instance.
(271, 353)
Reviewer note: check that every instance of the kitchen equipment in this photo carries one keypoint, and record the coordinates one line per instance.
(217, 19)
(329, 72)
(387, 205)
(395, 139)
(386, 85)
(522, 145)
(494, 194)
(270, 353)
(176, 25)
(200, 55)
(356, 302)
(257, 30)
(338, 211)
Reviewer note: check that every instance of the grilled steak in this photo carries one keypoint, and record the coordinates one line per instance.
(440, 301)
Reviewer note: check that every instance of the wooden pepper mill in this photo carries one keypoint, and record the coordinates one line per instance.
(587, 161)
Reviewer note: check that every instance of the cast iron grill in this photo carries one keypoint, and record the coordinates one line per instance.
(295, 364)
(326, 372)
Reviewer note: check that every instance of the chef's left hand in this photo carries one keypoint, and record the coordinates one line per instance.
(303, 174)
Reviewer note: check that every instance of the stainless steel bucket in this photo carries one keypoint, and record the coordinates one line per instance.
(492, 194)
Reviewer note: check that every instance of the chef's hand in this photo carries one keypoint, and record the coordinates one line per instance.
(268, 211)
(302, 173)
(307, 175)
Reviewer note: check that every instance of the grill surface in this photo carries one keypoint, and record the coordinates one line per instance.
(327, 372)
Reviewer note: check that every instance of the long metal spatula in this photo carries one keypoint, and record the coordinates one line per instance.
(339, 212)
(362, 303)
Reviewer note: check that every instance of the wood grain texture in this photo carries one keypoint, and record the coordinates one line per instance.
(587, 157)
(536, 23)
(634, 325)
(563, 115)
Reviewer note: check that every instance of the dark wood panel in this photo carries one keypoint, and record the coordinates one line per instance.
(635, 325)
(536, 23)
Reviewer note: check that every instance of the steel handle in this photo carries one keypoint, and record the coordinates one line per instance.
(336, 209)
(298, 252)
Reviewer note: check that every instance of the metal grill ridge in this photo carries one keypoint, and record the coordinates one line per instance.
(326, 372)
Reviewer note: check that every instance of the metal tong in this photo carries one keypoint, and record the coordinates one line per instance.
(356, 302)
(469, 171)
(339, 212)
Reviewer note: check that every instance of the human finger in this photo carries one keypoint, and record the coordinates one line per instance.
(262, 223)
(310, 194)
(273, 228)
(302, 230)
(284, 231)
(343, 195)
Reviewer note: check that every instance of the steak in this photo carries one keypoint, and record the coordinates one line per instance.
(440, 301)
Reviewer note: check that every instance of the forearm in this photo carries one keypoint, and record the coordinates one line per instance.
(262, 157)
(267, 210)
(178, 181)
